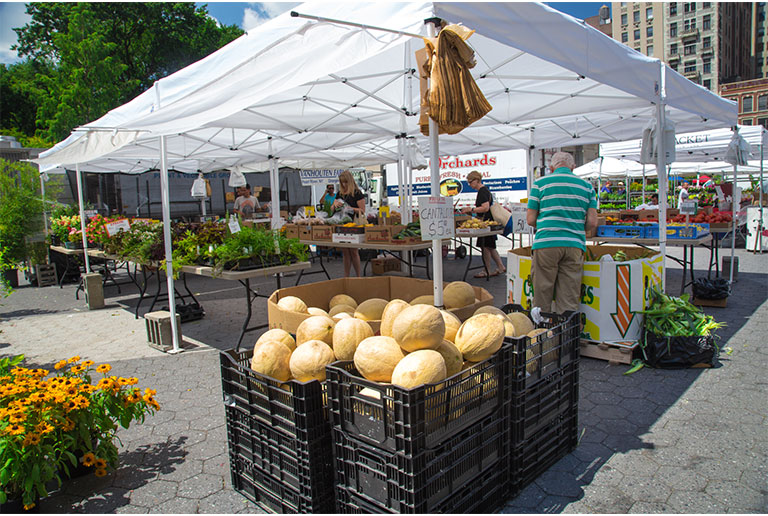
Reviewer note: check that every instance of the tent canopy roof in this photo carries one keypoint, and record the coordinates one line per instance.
(318, 94)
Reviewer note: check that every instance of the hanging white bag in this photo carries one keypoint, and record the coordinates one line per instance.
(236, 178)
(198, 187)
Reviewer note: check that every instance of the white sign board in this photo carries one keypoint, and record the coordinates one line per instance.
(117, 226)
(689, 207)
(234, 225)
(519, 217)
(319, 176)
(436, 218)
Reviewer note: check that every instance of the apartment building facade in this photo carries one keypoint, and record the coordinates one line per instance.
(639, 25)
(752, 97)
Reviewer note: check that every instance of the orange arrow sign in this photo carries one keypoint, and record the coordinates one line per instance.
(622, 317)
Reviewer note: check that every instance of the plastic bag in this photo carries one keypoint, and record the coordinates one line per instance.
(718, 288)
(198, 187)
(236, 178)
(678, 352)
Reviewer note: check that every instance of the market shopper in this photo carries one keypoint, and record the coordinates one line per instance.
(683, 195)
(483, 203)
(329, 196)
(246, 204)
(561, 208)
(351, 200)
(652, 204)
(606, 187)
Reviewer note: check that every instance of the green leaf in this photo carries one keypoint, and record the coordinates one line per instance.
(637, 364)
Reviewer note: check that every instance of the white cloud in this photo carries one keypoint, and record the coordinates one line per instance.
(13, 15)
(260, 12)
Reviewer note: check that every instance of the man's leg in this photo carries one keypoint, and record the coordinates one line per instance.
(568, 283)
(544, 273)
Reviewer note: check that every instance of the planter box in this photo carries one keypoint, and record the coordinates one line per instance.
(385, 287)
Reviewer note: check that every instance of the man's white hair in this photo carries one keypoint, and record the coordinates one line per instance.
(562, 159)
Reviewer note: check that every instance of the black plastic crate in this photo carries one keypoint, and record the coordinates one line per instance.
(544, 401)
(532, 361)
(307, 467)
(426, 481)
(412, 420)
(260, 487)
(486, 494)
(537, 454)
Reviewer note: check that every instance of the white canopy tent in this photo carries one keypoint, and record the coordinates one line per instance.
(317, 93)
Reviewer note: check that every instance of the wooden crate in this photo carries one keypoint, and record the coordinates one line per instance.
(46, 275)
(719, 303)
(619, 353)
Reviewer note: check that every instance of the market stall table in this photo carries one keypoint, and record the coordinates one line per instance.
(686, 243)
(244, 278)
(74, 259)
(476, 234)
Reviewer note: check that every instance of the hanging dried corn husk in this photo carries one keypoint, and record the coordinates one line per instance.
(453, 100)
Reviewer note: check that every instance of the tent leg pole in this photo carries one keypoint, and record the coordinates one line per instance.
(434, 167)
(165, 197)
(82, 217)
(734, 211)
(661, 170)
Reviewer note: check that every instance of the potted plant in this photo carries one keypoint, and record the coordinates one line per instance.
(50, 423)
(21, 211)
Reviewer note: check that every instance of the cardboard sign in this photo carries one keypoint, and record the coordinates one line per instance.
(519, 212)
(689, 207)
(384, 211)
(234, 225)
(117, 226)
(436, 218)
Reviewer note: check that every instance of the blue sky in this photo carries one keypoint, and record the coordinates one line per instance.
(246, 15)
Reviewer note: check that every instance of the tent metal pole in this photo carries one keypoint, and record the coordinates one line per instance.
(734, 211)
(400, 186)
(274, 188)
(45, 212)
(294, 14)
(760, 197)
(661, 170)
(82, 217)
(644, 183)
(599, 180)
(434, 167)
(165, 197)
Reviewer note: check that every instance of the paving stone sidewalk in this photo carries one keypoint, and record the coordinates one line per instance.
(690, 441)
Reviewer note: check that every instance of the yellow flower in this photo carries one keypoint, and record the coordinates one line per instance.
(77, 369)
(70, 406)
(100, 463)
(88, 363)
(15, 429)
(154, 404)
(75, 358)
(28, 506)
(100, 472)
(133, 381)
(37, 397)
(89, 459)
(18, 417)
(104, 384)
(67, 425)
(124, 381)
(150, 392)
(60, 364)
(44, 428)
(71, 391)
(81, 402)
(104, 368)
(19, 371)
(40, 372)
(31, 439)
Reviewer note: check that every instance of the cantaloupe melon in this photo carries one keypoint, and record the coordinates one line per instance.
(521, 323)
(337, 309)
(272, 358)
(480, 337)
(292, 304)
(371, 309)
(488, 309)
(309, 360)
(341, 315)
(342, 299)
(458, 294)
(376, 358)
(279, 335)
(452, 324)
(313, 310)
(427, 299)
(452, 356)
(391, 311)
(418, 368)
(347, 335)
(317, 327)
(419, 327)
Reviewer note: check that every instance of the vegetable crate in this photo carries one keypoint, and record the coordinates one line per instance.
(621, 231)
(409, 421)
(466, 473)
(279, 438)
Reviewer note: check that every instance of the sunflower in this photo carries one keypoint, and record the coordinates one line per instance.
(75, 358)
(32, 439)
(104, 368)
(101, 472)
(14, 429)
(89, 459)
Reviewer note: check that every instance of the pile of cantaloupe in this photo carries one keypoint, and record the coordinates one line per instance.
(418, 343)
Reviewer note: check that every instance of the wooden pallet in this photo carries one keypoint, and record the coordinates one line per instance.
(46, 275)
(720, 303)
(614, 353)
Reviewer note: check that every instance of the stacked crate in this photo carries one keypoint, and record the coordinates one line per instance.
(280, 448)
(545, 396)
(436, 448)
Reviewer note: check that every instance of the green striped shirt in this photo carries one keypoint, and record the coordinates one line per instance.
(562, 200)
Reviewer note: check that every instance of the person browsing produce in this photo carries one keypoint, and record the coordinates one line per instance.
(561, 208)
(350, 198)
(652, 204)
(483, 203)
(246, 204)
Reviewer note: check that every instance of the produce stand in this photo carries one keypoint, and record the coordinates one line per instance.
(244, 278)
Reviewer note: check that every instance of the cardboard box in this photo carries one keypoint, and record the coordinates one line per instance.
(381, 234)
(601, 284)
(629, 214)
(305, 232)
(291, 231)
(384, 287)
(672, 212)
(648, 215)
(322, 232)
(614, 214)
(347, 238)
(381, 266)
(458, 219)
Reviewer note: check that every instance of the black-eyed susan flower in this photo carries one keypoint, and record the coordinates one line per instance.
(44, 428)
(100, 463)
(101, 472)
(17, 417)
(32, 439)
(14, 429)
(104, 384)
(67, 425)
(77, 369)
(74, 359)
(60, 364)
(104, 368)
(88, 363)
(89, 459)
(28, 506)
(70, 405)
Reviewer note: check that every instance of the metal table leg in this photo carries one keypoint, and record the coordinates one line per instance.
(250, 296)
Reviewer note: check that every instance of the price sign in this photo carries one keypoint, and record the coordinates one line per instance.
(436, 218)
(234, 225)
(309, 211)
(720, 195)
(90, 213)
(689, 207)
(519, 221)
(117, 226)
(383, 211)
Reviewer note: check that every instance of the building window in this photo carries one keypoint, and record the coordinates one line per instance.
(689, 49)
(763, 122)
(689, 7)
(649, 50)
(673, 49)
(672, 30)
(649, 31)
(746, 104)
(624, 37)
(706, 22)
(636, 34)
(649, 13)
(690, 67)
(690, 25)
(706, 5)
(706, 67)
(673, 8)
(708, 84)
(746, 121)
(762, 103)
(624, 19)
(706, 42)
(673, 66)
(636, 16)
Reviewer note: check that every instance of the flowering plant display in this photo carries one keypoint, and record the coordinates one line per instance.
(47, 420)
(96, 230)
(67, 228)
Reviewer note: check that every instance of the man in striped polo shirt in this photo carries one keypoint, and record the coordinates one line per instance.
(561, 208)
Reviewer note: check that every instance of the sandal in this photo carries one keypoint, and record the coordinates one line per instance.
(500, 272)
